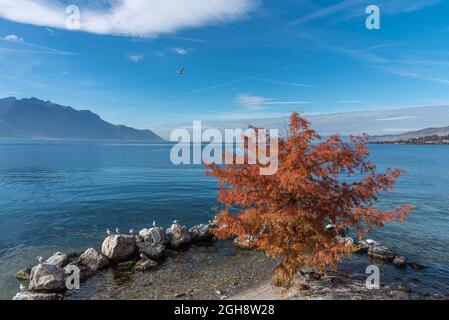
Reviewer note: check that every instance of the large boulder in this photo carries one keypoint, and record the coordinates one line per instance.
(94, 260)
(178, 235)
(47, 278)
(201, 232)
(38, 296)
(119, 247)
(381, 252)
(151, 250)
(58, 259)
(156, 235)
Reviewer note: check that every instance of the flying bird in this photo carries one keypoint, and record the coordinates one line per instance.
(181, 71)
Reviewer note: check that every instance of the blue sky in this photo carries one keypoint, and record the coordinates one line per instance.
(242, 58)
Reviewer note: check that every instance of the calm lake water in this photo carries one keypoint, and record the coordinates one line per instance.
(62, 196)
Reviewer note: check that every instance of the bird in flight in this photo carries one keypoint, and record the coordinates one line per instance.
(181, 71)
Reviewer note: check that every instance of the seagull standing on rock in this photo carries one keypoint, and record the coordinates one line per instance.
(131, 232)
(117, 230)
(154, 224)
(40, 259)
(23, 288)
(109, 232)
(142, 256)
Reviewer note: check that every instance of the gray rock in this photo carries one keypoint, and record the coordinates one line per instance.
(47, 278)
(85, 272)
(156, 235)
(178, 235)
(361, 247)
(119, 247)
(382, 253)
(201, 232)
(151, 250)
(24, 274)
(94, 260)
(58, 259)
(246, 243)
(400, 261)
(371, 242)
(31, 296)
(145, 264)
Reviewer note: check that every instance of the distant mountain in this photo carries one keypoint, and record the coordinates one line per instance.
(429, 132)
(37, 119)
(373, 122)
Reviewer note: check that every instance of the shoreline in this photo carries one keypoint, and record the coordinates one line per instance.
(193, 265)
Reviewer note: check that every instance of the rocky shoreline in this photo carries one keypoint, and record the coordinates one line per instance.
(146, 250)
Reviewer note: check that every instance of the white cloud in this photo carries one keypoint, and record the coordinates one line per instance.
(13, 38)
(182, 51)
(139, 18)
(135, 58)
(259, 103)
(350, 101)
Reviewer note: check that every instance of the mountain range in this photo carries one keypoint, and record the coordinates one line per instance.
(440, 132)
(36, 119)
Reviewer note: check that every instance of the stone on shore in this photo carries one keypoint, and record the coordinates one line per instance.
(94, 260)
(381, 253)
(119, 247)
(178, 235)
(156, 235)
(201, 232)
(33, 296)
(361, 247)
(151, 250)
(145, 264)
(23, 274)
(246, 243)
(337, 231)
(400, 261)
(58, 259)
(47, 278)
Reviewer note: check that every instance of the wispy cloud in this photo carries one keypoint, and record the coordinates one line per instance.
(415, 75)
(251, 102)
(287, 83)
(13, 38)
(139, 18)
(350, 101)
(136, 58)
(182, 51)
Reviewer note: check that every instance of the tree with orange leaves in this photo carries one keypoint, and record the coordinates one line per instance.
(318, 182)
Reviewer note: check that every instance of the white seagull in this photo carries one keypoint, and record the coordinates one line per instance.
(142, 256)
(131, 232)
(117, 230)
(40, 259)
(108, 232)
(154, 224)
(23, 287)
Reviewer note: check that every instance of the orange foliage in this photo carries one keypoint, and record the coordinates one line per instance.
(316, 184)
